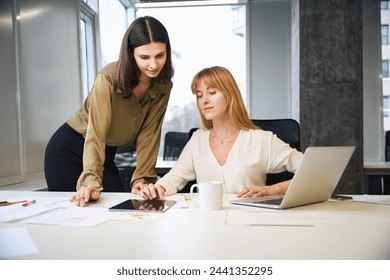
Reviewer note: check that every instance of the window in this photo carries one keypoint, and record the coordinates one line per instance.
(385, 52)
(201, 36)
(386, 106)
(93, 4)
(385, 68)
(113, 25)
(385, 34)
(87, 47)
(100, 46)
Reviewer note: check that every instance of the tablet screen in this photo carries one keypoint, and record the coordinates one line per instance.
(155, 205)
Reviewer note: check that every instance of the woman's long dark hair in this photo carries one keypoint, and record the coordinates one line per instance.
(142, 31)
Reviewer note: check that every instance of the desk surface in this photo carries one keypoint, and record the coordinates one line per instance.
(329, 230)
(163, 166)
(377, 167)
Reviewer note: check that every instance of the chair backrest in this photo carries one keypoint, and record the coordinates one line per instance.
(174, 143)
(126, 161)
(387, 146)
(287, 130)
(192, 130)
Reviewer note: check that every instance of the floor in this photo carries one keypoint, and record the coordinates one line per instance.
(35, 185)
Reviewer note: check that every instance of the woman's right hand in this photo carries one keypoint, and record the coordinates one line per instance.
(84, 195)
(149, 191)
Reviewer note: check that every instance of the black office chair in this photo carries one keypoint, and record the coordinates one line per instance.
(187, 187)
(173, 144)
(126, 161)
(192, 130)
(287, 130)
(387, 146)
(380, 184)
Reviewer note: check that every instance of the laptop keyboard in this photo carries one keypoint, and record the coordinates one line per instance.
(275, 201)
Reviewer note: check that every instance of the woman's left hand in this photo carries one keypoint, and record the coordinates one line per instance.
(255, 191)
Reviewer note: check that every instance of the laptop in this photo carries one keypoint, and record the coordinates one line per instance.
(314, 181)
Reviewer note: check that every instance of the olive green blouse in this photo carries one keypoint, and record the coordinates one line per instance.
(109, 119)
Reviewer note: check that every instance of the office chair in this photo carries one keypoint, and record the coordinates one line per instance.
(173, 144)
(192, 130)
(380, 184)
(187, 187)
(387, 146)
(287, 130)
(126, 161)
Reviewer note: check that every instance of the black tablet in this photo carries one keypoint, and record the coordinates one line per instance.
(140, 205)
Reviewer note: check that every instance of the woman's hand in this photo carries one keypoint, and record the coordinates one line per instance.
(84, 195)
(149, 191)
(255, 191)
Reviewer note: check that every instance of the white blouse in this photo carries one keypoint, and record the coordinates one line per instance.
(254, 154)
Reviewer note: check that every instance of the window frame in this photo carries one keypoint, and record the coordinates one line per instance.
(385, 34)
(385, 72)
(90, 52)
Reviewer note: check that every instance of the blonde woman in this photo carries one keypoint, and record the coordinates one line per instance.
(229, 147)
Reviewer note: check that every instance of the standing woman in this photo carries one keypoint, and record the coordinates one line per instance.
(126, 106)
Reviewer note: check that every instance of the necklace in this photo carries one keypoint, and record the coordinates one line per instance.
(220, 139)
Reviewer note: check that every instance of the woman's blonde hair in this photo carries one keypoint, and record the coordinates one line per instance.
(221, 79)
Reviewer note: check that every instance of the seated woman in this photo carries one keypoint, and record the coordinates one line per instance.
(229, 147)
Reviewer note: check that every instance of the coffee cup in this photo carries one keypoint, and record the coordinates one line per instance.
(210, 195)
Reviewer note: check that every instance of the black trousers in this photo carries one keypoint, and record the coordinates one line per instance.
(64, 162)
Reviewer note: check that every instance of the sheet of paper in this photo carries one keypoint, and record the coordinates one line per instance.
(74, 217)
(16, 242)
(60, 211)
(17, 211)
(377, 199)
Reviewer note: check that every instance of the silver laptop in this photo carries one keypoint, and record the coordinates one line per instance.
(314, 181)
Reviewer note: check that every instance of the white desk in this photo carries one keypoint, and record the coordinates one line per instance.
(163, 166)
(377, 168)
(330, 230)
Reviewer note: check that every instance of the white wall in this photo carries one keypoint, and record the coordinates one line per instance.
(372, 84)
(40, 80)
(10, 153)
(269, 25)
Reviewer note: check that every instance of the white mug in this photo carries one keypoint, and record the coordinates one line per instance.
(210, 195)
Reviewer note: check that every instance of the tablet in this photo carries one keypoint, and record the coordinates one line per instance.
(140, 205)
